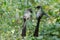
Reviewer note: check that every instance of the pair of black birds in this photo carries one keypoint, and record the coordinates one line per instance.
(27, 15)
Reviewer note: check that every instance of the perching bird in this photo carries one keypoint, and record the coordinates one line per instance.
(26, 16)
(39, 15)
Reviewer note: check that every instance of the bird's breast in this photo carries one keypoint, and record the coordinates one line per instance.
(39, 14)
(27, 15)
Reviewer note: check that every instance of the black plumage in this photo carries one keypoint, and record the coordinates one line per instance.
(39, 15)
(26, 16)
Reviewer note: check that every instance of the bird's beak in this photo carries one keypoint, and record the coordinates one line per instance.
(47, 15)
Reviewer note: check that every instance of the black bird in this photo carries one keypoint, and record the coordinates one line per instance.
(26, 16)
(39, 15)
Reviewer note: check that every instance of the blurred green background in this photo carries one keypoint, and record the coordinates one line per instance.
(11, 19)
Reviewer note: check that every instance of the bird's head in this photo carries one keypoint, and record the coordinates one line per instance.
(30, 10)
(41, 11)
(39, 7)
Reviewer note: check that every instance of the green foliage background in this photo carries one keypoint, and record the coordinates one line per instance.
(12, 10)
